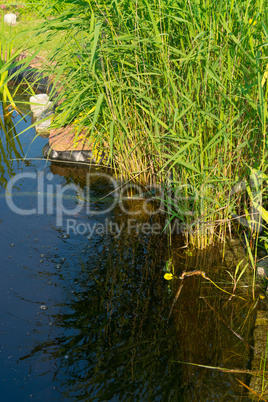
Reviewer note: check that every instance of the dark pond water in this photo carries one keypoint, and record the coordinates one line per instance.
(84, 315)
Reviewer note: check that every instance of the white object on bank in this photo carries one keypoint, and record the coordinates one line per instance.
(10, 19)
(39, 104)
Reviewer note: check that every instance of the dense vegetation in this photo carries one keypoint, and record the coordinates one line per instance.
(170, 90)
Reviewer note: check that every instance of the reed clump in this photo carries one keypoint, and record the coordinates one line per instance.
(169, 88)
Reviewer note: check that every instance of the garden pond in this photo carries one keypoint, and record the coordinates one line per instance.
(88, 316)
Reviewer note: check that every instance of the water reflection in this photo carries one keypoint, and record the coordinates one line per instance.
(208, 324)
(10, 146)
(116, 341)
(106, 334)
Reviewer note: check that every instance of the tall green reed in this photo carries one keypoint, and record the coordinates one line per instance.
(6, 59)
(169, 88)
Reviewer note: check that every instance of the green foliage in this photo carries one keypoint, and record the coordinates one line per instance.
(24, 6)
(239, 272)
(6, 58)
(169, 87)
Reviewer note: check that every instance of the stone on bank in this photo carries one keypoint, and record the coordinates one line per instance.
(39, 104)
(42, 109)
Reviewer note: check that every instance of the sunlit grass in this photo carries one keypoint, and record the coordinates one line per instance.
(25, 37)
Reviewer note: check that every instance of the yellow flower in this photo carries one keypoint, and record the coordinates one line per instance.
(252, 22)
(168, 277)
